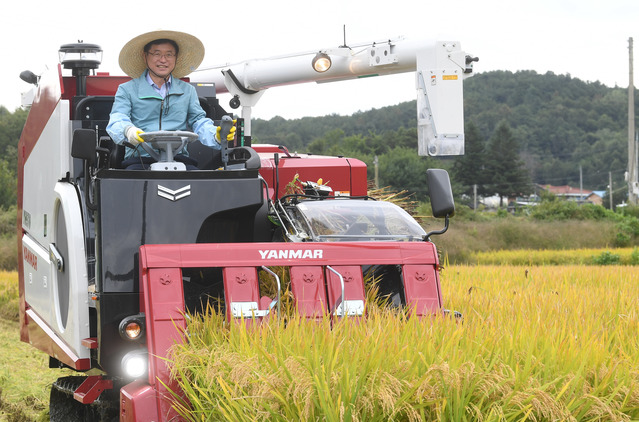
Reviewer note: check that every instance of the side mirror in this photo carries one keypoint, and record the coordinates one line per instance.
(441, 194)
(84, 145)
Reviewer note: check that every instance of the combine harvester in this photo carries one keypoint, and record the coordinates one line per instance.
(110, 259)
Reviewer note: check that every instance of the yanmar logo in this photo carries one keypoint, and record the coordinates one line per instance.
(30, 258)
(291, 253)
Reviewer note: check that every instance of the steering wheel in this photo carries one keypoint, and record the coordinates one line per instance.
(168, 142)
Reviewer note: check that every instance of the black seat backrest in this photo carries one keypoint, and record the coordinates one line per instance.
(94, 112)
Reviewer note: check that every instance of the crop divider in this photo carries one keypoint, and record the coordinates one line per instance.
(325, 278)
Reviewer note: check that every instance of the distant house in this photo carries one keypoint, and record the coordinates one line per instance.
(596, 197)
(574, 194)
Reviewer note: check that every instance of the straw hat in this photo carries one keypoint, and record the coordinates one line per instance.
(189, 57)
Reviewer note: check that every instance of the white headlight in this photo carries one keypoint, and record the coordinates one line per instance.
(134, 364)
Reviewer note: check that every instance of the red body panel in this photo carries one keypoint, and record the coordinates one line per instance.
(91, 388)
(42, 337)
(241, 285)
(95, 85)
(162, 301)
(423, 294)
(285, 254)
(308, 287)
(163, 298)
(346, 176)
(138, 403)
(353, 285)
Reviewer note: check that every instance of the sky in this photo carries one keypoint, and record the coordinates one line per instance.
(587, 39)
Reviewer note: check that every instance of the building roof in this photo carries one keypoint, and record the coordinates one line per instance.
(566, 190)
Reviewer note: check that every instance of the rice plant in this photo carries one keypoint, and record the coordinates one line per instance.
(536, 343)
(617, 256)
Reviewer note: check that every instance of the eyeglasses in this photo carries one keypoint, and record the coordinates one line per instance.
(156, 55)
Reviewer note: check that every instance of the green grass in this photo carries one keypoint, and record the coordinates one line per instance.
(25, 377)
(466, 238)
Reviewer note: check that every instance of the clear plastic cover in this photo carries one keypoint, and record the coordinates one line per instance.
(80, 56)
(355, 220)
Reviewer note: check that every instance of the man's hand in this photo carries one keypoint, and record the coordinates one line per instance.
(229, 137)
(133, 135)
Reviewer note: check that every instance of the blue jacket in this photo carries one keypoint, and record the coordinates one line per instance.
(138, 104)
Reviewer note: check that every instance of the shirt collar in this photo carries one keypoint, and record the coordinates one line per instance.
(160, 90)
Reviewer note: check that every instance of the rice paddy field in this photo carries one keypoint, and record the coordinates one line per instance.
(537, 342)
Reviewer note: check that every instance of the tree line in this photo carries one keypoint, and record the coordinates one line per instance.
(11, 125)
(522, 128)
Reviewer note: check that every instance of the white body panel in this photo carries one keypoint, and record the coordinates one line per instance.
(440, 103)
(347, 63)
(37, 277)
(75, 327)
(440, 68)
(53, 148)
(44, 198)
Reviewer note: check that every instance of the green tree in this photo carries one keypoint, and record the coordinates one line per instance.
(11, 125)
(322, 145)
(8, 185)
(505, 170)
(560, 123)
(468, 170)
(405, 138)
(403, 169)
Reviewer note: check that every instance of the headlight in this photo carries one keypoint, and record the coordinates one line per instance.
(132, 327)
(321, 62)
(135, 363)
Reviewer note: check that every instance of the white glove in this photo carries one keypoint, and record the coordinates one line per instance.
(133, 135)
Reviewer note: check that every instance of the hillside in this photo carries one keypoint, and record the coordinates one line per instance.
(560, 123)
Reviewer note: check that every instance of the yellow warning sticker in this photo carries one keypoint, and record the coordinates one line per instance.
(449, 77)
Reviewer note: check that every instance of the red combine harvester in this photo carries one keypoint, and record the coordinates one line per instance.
(110, 259)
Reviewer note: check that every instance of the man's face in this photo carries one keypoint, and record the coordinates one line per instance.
(161, 59)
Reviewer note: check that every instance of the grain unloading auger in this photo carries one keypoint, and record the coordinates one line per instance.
(110, 259)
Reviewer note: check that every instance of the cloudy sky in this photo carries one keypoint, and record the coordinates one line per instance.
(587, 39)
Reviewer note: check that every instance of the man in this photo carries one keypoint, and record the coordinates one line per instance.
(156, 99)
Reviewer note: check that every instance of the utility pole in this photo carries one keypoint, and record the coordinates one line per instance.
(610, 187)
(581, 185)
(632, 170)
(475, 197)
(376, 162)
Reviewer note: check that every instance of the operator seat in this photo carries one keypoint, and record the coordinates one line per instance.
(93, 113)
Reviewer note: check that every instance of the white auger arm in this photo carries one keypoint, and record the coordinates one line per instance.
(439, 67)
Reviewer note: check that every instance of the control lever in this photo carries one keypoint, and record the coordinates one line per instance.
(225, 129)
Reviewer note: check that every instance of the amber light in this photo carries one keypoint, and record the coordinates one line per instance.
(132, 327)
(133, 330)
